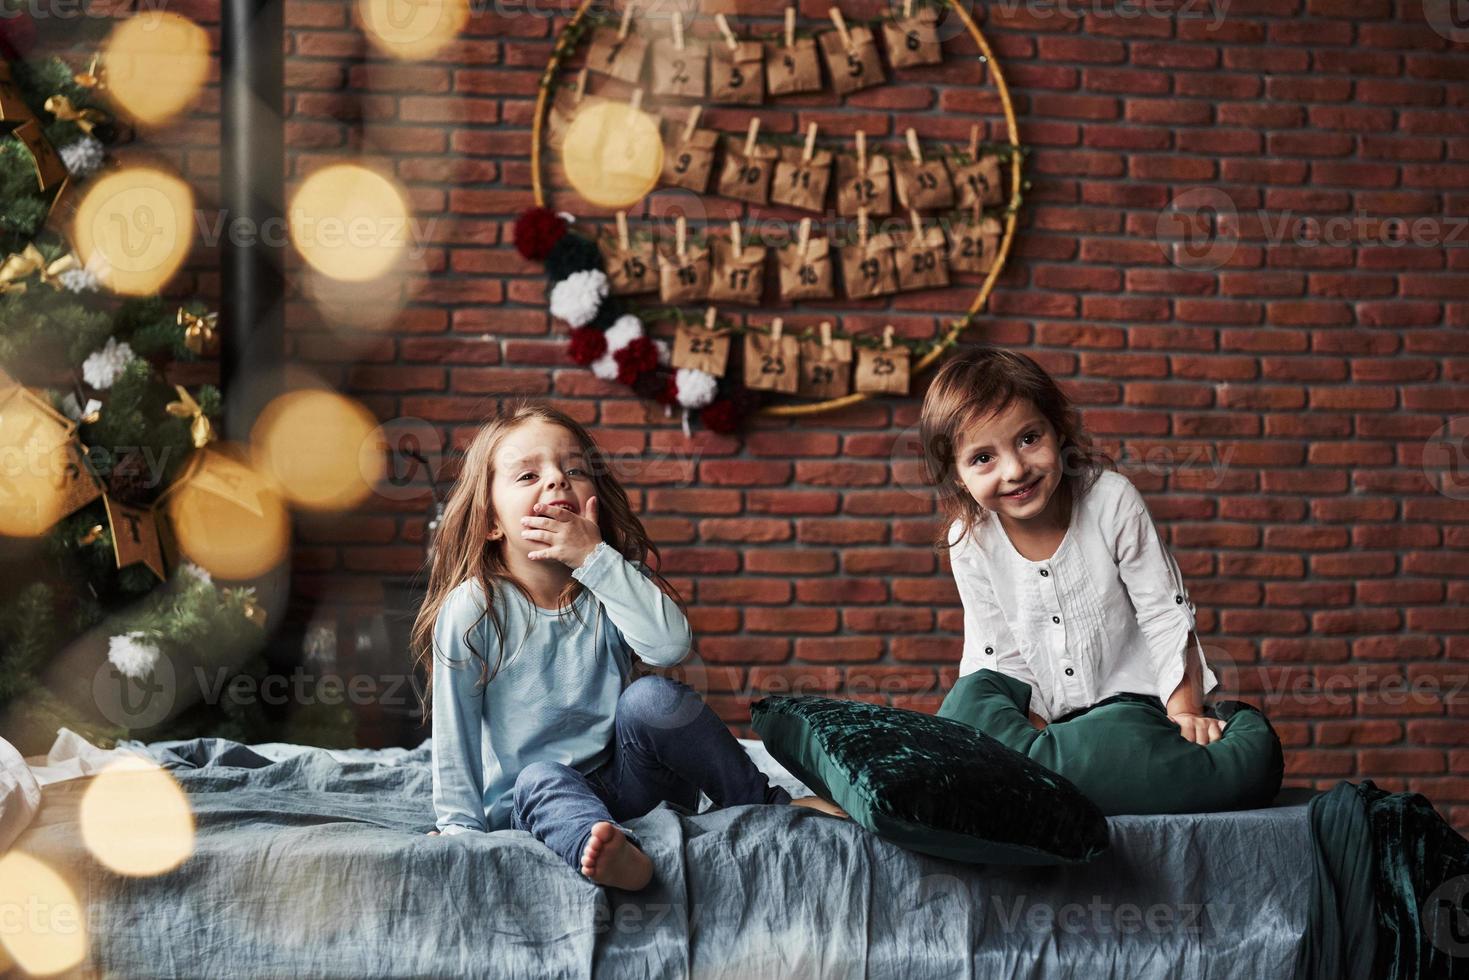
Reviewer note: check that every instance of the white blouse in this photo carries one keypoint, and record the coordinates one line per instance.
(1107, 613)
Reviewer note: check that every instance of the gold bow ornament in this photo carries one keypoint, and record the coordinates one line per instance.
(86, 119)
(28, 261)
(186, 408)
(199, 332)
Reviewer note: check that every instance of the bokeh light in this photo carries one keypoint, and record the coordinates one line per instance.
(46, 930)
(323, 450)
(134, 228)
(33, 457)
(135, 818)
(227, 518)
(613, 154)
(155, 64)
(412, 29)
(349, 222)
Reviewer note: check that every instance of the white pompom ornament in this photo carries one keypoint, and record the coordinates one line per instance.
(624, 330)
(577, 298)
(605, 367)
(695, 388)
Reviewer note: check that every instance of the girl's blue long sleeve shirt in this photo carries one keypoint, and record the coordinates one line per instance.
(555, 695)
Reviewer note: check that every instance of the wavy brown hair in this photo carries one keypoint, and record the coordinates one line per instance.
(982, 381)
(462, 550)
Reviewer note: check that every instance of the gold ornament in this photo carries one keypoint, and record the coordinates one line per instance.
(86, 119)
(253, 611)
(92, 77)
(93, 533)
(199, 429)
(199, 332)
(21, 265)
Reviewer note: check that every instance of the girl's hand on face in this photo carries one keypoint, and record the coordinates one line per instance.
(1199, 729)
(570, 537)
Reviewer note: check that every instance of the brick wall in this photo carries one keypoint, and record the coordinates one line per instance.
(1275, 409)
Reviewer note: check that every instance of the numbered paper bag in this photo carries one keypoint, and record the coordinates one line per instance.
(864, 182)
(869, 268)
(739, 273)
(688, 157)
(737, 75)
(913, 39)
(805, 268)
(924, 185)
(921, 261)
(631, 268)
(851, 57)
(792, 68)
(882, 370)
(683, 277)
(701, 349)
(772, 361)
(826, 368)
(618, 53)
(979, 182)
(680, 71)
(801, 179)
(746, 170)
(974, 245)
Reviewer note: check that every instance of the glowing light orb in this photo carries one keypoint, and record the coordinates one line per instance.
(33, 459)
(134, 227)
(321, 449)
(228, 519)
(412, 29)
(135, 819)
(155, 64)
(46, 931)
(613, 154)
(349, 222)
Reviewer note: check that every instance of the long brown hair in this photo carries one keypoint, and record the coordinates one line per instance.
(978, 382)
(462, 550)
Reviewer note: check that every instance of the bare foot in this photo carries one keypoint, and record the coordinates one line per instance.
(824, 806)
(611, 859)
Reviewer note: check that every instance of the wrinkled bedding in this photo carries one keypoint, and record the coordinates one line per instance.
(310, 863)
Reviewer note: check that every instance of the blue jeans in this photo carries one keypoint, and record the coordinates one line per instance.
(667, 745)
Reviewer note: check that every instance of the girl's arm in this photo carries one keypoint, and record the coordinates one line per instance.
(649, 620)
(458, 716)
(987, 639)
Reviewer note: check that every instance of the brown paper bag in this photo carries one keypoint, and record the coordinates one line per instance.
(688, 163)
(851, 67)
(921, 261)
(978, 182)
(737, 279)
(746, 178)
(923, 186)
(913, 41)
(872, 190)
(680, 71)
(701, 349)
(801, 183)
(883, 370)
(973, 246)
(805, 276)
(792, 70)
(737, 75)
(870, 269)
(772, 363)
(826, 371)
(683, 279)
(630, 270)
(620, 58)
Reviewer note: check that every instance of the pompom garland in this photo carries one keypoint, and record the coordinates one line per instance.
(696, 388)
(537, 231)
(634, 358)
(572, 253)
(623, 332)
(587, 344)
(577, 298)
(721, 417)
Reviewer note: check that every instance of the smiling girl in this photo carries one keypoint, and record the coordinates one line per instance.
(1065, 580)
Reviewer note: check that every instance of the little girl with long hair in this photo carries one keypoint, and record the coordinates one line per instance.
(539, 578)
(1065, 581)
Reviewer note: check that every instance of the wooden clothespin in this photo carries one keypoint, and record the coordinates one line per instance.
(974, 143)
(907, 9)
(750, 135)
(636, 102)
(581, 85)
(861, 153)
(825, 333)
(623, 239)
(841, 26)
(804, 238)
(678, 41)
(917, 224)
(622, 28)
(887, 337)
(776, 326)
(790, 27)
(692, 124)
(729, 35)
(913, 146)
(736, 239)
(709, 318)
(681, 237)
(810, 143)
(862, 226)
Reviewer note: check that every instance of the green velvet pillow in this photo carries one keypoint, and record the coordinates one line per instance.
(930, 784)
(1125, 754)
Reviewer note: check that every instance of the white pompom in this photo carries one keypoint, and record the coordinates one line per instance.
(577, 298)
(132, 655)
(623, 331)
(665, 353)
(83, 157)
(695, 388)
(103, 367)
(605, 367)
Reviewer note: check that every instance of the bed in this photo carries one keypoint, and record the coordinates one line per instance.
(315, 863)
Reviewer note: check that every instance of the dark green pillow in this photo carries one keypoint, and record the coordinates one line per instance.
(930, 784)
(1125, 754)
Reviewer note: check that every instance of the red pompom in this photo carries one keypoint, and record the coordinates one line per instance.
(17, 34)
(587, 344)
(721, 416)
(633, 359)
(537, 230)
(669, 394)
